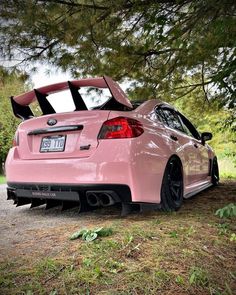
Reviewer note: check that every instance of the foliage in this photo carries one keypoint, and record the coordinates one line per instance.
(2, 179)
(223, 228)
(159, 45)
(230, 124)
(232, 237)
(227, 211)
(198, 277)
(174, 234)
(90, 235)
(11, 84)
(213, 118)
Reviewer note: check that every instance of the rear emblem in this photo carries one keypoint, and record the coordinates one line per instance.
(52, 122)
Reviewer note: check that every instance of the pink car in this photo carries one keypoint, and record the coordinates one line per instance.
(146, 154)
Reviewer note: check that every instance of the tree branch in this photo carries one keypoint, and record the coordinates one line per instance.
(70, 3)
(157, 52)
(187, 92)
(192, 85)
(203, 83)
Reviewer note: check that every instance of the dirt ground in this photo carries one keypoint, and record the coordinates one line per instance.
(24, 230)
(31, 234)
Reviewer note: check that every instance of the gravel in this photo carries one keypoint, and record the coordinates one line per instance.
(24, 230)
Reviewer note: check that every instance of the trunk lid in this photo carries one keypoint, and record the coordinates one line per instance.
(73, 136)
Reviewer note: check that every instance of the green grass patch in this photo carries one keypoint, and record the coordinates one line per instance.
(198, 276)
(2, 179)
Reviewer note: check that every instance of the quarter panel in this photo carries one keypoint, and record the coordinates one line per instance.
(150, 153)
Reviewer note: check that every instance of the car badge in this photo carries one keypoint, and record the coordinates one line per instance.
(52, 122)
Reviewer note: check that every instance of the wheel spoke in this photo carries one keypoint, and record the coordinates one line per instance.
(173, 185)
(176, 183)
(175, 193)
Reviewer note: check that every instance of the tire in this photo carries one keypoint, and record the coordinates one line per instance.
(215, 172)
(172, 186)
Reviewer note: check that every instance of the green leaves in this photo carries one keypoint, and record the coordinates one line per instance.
(90, 235)
(227, 211)
(11, 83)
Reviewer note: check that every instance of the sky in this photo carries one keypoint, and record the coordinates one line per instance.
(42, 78)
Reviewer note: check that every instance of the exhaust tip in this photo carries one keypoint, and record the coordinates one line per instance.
(106, 199)
(92, 199)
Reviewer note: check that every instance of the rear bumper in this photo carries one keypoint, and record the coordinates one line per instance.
(66, 192)
(133, 164)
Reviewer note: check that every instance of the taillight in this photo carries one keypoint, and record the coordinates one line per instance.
(120, 127)
(15, 140)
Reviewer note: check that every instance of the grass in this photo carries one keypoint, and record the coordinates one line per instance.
(2, 179)
(185, 252)
(227, 168)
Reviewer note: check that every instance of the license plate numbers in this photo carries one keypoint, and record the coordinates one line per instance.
(53, 144)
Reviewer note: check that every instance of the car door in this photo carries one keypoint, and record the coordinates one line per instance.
(180, 142)
(202, 163)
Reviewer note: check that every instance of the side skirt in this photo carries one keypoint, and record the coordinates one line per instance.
(198, 190)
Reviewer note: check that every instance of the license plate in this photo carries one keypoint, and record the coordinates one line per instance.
(53, 144)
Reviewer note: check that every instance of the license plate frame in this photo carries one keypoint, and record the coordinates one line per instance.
(54, 195)
(53, 144)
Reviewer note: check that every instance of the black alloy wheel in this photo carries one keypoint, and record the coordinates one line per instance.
(172, 185)
(215, 172)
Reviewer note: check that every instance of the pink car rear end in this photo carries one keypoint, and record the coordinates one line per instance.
(88, 157)
(151, 156)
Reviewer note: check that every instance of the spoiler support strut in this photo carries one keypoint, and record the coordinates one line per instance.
(22, 112)
(45, 106)
(78, 101)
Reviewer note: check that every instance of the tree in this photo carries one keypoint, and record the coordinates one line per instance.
(159, 45)
(10, 84)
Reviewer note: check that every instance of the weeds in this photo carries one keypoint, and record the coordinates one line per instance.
(91, 235)
(174, 234)
(223, 228)
(47, 268)
(179, 280)
(232, 237)
(198, 277)
(227, 211)
(190, 231)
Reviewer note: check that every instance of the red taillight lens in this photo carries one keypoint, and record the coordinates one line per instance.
(120, 127)
(15, 140)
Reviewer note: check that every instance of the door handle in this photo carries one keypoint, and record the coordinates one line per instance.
(174, 137)
(195, 145)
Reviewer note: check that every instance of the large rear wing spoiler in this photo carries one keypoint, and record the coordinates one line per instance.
(21, 103)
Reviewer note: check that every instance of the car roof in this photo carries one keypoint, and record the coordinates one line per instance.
(148, 105)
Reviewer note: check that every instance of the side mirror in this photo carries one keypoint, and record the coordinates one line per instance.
(205, 136)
